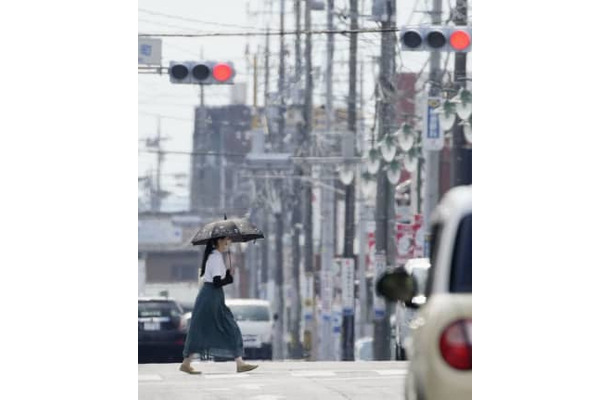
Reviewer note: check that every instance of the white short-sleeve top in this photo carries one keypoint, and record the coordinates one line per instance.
(215, 266)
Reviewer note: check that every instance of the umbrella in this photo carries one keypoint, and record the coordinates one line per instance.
(237, 229)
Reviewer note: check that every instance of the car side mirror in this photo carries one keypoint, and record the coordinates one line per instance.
(398, 285)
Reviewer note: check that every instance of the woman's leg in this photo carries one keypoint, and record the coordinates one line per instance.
(243, 366)
(186, 366)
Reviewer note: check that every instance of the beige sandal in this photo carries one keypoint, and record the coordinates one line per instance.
(246, 367)
(189, 370)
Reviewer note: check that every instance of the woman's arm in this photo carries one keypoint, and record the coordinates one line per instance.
(218, 282)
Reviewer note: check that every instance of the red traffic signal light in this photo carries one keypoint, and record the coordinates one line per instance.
(222, 72)
(459, 40)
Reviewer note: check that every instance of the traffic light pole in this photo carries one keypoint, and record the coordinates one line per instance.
(462, 157)
(432, 157)
(384, 214)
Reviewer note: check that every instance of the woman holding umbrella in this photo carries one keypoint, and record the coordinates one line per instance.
(213, 330)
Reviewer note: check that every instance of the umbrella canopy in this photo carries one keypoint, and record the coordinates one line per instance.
(237, 229)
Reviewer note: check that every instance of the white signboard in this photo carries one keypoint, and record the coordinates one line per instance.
(379, 302)
(433, 134)
(149, 51)
(347, 285)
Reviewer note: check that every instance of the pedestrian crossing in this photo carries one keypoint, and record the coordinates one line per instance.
(313, 374)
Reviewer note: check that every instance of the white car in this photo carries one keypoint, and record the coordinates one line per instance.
(256, 324)
(440, 349)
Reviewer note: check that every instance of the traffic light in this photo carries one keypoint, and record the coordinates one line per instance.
(201, 73)
(436, 38)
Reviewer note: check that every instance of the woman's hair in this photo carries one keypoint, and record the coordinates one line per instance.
(212, 244)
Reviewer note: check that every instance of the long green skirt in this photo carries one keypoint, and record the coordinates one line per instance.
(213, 331)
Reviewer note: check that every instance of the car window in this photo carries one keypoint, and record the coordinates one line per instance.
(158, 309)
(461, 263)
(437, 231)
(250, 313)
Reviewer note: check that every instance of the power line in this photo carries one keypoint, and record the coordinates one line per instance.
(271, 33)
(195, 20)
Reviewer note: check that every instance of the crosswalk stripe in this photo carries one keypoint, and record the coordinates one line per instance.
(149, 378)
(391, 371)
(312, 373)
(221, 376)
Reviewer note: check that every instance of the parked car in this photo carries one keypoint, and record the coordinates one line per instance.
(161, 330)
(363, 349)
(256, 324)
(403, 315)
(440, 351)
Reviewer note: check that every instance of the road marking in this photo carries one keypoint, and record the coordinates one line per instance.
(361, 378)
(149, 378)
(312, 373)
(250, 386)
(222, 376)
(391, 371)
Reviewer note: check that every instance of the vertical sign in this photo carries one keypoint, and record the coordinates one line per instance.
(433, 134)
(327, 293)
(379, 302)
(149, 51)
(347, 285)
(337, 321)
(308, 298)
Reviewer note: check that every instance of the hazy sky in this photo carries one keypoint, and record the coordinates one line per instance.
(175, 103)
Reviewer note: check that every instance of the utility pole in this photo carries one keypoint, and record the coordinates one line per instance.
(432, 157)
(265, 215)
(462, 157)
(267, 69)
(307, 195)
(384, 214)
(297, 348)
(348, 240)
(159, 161)
(362, 223)
(279, 217)
(327, 209)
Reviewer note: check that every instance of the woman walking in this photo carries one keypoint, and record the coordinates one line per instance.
(213, 329)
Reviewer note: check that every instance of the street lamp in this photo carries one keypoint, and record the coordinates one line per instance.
(410, 162)
(405, 137)
(368, 184)
(346, 174)
(393, 172)
(388, 148)
(464, 104)
(446, 116)
(374, 161)
(467, 127)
